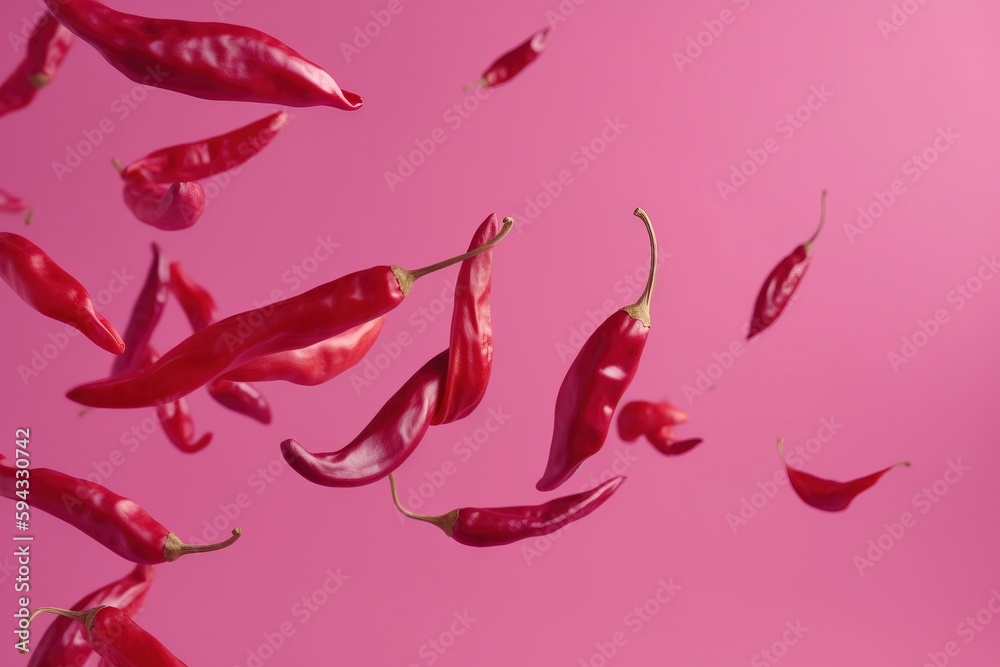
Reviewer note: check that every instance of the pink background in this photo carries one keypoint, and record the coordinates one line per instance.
(679, 132)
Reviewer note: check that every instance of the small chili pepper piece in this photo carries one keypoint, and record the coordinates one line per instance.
(65, 643)
(175, 418)
(386, 442)
(47, 46)
(828, 495)
(213, 61)
(11, 204)
(115, 636)
(168, 207)
(145, 315)
(784, 279)
(510, 64)
(638, 418)
(665, 442)
(49, 289)
(596, 381)
(315, 364)
(291, 324)
(115, 521)
(496, 526)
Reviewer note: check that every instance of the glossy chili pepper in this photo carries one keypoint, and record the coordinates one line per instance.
(386, 442)
(46, 287)
(11, 204)
(495, 526)
(202, 159)
(115, 636)
(167, 207)
(510, 64)
(145, 315)
(783, 280)
(65, 643)
(175, 418)
(637, 418)
(315, 364)
(828, 495)
(196, 301)
(116, 522)
(596, 381)
(291, 324)
(665, 442)
(214, 61)
(47, 46)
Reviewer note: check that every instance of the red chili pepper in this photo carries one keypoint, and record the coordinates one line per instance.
(596, 381)
(46, 287)
(115, 636)
(214, 61)
(11, 204)
(202, 159)
(66, 644)
(783, 280)
(825, 494)
(145, 315)
(198, 305)
(665, 443)
(315, 364)
(638, 418)
(167, 207)
(291, 324)
(47, 46)
(115, 521)
(175, 418)
(495, 526)
(510, 64)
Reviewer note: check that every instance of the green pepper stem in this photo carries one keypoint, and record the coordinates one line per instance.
(822, 218)
(445, 522)
(174, 548)
(640, 309)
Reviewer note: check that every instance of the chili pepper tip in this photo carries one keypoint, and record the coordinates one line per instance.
(174, 548)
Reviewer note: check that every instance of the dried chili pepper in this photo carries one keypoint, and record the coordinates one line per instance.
(167, 207)
(315, 364)
(495, 526)
(638, 418)
(47, 46)
(202, 159)
(115, 636)
(49, 289)
(65, 644)
(291, 324)
(510, 64)
(115, 521)
(828, 495)
(214, 61)
(781, 283)
(596, 381)
(145, 315)
(11, 204)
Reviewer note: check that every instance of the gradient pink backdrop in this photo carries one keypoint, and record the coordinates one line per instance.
(678, 132)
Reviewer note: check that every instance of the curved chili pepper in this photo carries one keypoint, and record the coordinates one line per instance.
(196, 301)
(145, 315)
(510, 64)
(495, 526)
(175, 418)
(386, 442)
(783, 280)
(828, 495)
(213, 61)
(665, 443)
(115, 636)
(167, 207)
(315, 364)
(291, 324)
(47, 46)
(202, 159)
(65, 644)
(596, 381)
(11, 204)
(638, 418)
(49, 289)
(115, 521)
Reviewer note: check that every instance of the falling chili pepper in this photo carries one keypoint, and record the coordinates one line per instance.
(168, 207)
(638, 418)
(11, 204)
(115, 636)
(214, 61)
(665, 442)
(65, 643)
(510, 64)
(783, 280)
(49, 289)
(145, 315)
(291, 324)
(115, 521)
(495, 526)
(47, 46)
(175, 418)
(825, 494)
(596, 381)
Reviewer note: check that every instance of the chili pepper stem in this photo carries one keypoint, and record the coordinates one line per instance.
(39, 80)
(822, 218)
(117, 165)
(28, 216)
(640, 309)
(174, 548)
(781, 453)
(476, 84)
(86, 617)
(445, 522)
(406, 277)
